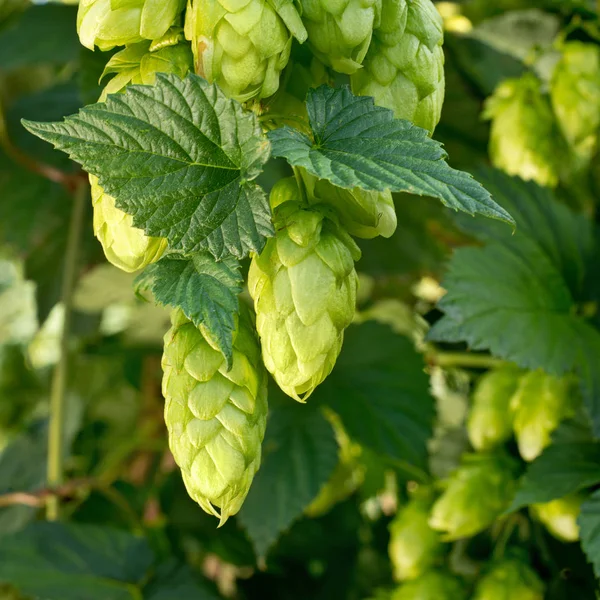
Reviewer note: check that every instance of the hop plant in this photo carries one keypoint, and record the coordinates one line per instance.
(216, 417)
(490, 420)
(475, 495)
(110, 23)
(575, 94)
(508, 580)
(340, 32)
(524, 138)
(414, 547)
(434, 585)
(124, 245)
(243, 46)
(560, 516)
(404, 68)
(304, 290)
(539, 405)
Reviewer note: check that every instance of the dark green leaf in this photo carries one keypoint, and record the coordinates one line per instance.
(206, 290)
(560, 470)
(174, 581)
(382, 395)
(300, 454)
(180, 157)
(589, 526)
(357, 144)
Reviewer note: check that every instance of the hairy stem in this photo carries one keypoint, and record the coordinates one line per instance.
(59, 380)
(464, 360)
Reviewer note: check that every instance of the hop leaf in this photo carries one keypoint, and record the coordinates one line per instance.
(106, 23)
(509, 579)
(404, 68)
(304, 289)
(560, 516)
(434, 585)
(243, 47)
(490, 420)
(124, 245)
(339, 33)
(476, 494)
(216, 418)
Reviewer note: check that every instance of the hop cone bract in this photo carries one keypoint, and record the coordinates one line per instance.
(476, 494)
(510, 579)
(404, 68)
(124, 245)
(110, 23)
(304, 290)
(433, 585)
(243, 45)
(414, 546)
(525, 139)
(216, 418)
(339, 31)
(490, 420)
(560, 516)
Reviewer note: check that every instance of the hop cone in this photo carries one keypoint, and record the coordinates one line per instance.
(575, 94)
(340, 31)
(560, 516)
(124, 245)
(216, 418)
(110, 23)
(510, 579)
(138, 65)
(304, 290)
(490, 420)
(434, 585)
(404, 68)
(539, 405)
(243, 45)
(414, 547)
(476, 494)
(524, 139)
(361, 213)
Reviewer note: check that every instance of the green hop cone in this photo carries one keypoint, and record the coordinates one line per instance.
(476, 494)
(404, 68)
(560, 516)
(433, 585)
(575, 94)
(539, 405)
(490, 420)
(304, 289)
(510, 579)
(524, 139)
(110, 23)
(216, 418)
(361, 213)
(137, 64)
(243, 45)
(340, 31)
(414, 547)
(124, 245)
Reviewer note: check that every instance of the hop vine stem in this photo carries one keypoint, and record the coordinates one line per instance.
(55, 463)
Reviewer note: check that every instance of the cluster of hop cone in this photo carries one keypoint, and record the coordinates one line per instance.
(304, 281)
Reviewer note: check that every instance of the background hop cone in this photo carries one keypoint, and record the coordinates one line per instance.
(560, 516)
(476, 494)
(539, 405)
(243, 46)
(216, 418)
(575, 94)
(340, 31)
(524, 138)
(414, 547)
(304, 290)
(490, 420)
(110, 23)
(510, 579)
(434, 585)
(124, 245)
(404, 68)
